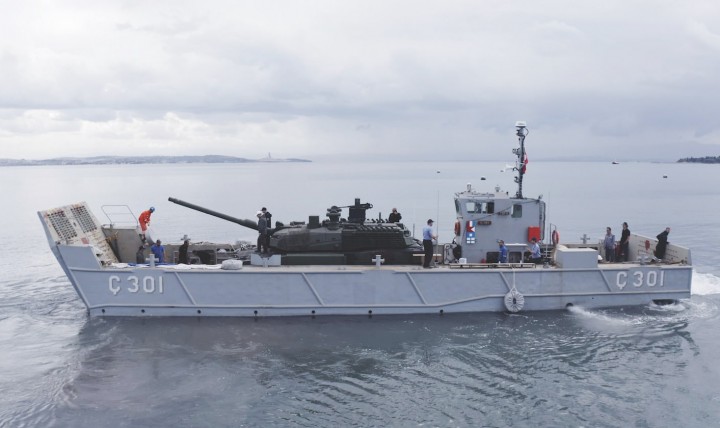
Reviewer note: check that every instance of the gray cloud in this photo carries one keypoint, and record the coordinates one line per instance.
(419, 80)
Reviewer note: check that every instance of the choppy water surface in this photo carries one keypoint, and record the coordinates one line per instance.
(644, 366)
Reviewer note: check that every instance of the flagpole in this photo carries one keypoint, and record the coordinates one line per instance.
(437, 219)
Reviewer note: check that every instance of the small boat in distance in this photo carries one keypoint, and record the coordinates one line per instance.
(357, 265)
(615, 162)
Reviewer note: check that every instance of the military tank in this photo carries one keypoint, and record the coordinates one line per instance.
(335, 240)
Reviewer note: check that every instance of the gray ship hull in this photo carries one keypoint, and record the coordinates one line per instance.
(256, 291)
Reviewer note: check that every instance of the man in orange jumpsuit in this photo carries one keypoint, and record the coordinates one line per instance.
(144, 220)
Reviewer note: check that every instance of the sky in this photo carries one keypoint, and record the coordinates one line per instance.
(374, 79)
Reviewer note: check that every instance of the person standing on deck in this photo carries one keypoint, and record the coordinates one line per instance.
(144, 221)
(661, 246)
(609, 245)
(262, 246)
(503, 252)
(140, 255)
(183, 252)
(268, 224)
(535, 255)
(625, 243)
(268, 216)
(158, 251)
(428, 237)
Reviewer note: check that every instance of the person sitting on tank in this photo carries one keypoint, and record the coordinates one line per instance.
(395, 216)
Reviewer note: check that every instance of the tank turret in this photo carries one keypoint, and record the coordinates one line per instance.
(336, 240)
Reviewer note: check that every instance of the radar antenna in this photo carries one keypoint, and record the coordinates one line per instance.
(521, 131)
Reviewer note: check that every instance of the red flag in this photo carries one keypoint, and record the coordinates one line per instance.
(524, 165)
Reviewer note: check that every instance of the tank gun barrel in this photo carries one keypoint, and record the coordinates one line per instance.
(242, 222)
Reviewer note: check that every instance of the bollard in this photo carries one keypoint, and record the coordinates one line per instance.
(378, 260)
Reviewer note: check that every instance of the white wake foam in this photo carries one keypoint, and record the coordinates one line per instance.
(705, 283)
(599, 315)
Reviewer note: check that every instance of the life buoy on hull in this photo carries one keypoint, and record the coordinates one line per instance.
(514, 301)
(457, 227)
(555, 237)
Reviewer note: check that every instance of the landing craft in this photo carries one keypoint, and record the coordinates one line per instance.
(303, 278)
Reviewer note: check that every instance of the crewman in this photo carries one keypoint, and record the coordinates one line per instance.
(503, 252)
(428, 237)
(262, 241)
(144, 221)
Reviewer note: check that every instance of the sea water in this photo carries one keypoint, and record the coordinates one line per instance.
(642, 366)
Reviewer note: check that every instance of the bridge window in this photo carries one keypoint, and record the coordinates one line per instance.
(517, 211)
(475, 207)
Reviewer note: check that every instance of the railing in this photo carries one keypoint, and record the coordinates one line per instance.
(120, 215)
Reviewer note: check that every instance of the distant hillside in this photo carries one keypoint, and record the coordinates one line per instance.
(120, 160)
(706, 159)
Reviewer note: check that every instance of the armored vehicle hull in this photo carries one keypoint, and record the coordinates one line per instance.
(335, 241)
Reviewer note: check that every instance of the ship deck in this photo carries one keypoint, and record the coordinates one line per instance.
(395, 268)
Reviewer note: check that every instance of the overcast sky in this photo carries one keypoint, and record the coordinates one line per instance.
(612, 79)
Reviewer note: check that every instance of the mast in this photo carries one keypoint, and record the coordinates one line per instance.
(521, 131)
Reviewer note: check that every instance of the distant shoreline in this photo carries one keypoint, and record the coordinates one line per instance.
(706, 159)
(140, 160)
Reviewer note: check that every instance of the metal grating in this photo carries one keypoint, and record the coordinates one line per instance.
(76, 225)
(81, 214)
(62, 225)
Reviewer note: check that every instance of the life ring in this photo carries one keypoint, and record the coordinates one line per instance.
(555, 237)
(514, 301)
(457, 227)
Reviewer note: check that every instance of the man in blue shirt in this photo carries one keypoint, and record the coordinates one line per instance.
(609, 244)
(503, 256)
(428, 236)
(535, 255)
(158, 251)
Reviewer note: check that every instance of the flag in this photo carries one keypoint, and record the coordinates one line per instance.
(470, 232)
